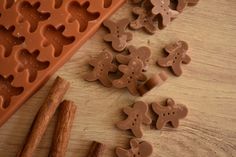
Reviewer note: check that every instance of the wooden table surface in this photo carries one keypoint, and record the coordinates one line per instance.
(207, 87)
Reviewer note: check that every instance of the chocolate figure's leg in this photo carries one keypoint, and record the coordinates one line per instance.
(165, 20)
(160, 124)
(181, 5)
(132, 88)
(136, 25)
(175, 123)
(136, 130)
(105, 81)
(150, 28)
(176, 69)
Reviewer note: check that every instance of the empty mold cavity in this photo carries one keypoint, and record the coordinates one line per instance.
(8, 40)
(80, 13)
(9, 3)
(31, 14)
(54, 36)
(7, 90)
(58, 3)
(28, 61)
(107, 3)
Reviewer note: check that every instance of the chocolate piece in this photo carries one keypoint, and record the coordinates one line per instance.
(138, 149)
(102, 66)
(96, 149)
(155, 81)
(131, 75)
(145, 20)
(183, 3)
(142, 53)
(118, 35)
(177, 54)
(55, 29)
(170, 113)
(136, 116)
(161, 7)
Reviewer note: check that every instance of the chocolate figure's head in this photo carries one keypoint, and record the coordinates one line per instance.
(177, 45)
(141, 148)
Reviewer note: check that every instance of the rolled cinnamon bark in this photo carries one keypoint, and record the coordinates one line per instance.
(96, 149)
(44, 116)
(61, 136)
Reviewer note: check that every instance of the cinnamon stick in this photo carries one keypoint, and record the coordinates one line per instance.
(61, 136)
(96, 149)
(44, 116)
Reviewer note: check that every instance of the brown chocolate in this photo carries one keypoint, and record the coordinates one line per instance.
(144, 20)
(132, 73)
(118, 36)
(96, 149)
(177, 54)
(102, 66)
(171, 113)
(137, 115)
(161, 7)
(142, 53)
(155, 81)
(55, 29)
(138, 149)
(183, 3)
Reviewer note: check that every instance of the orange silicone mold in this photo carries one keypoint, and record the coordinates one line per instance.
(39, 36)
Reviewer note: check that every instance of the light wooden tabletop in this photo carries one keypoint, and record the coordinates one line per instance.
(207, 87)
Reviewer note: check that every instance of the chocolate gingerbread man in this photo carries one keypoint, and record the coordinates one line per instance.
(142, 53)
(138, 149)
(102, 66)
(145, 20)
(132, 73)
(118, 35)
(177, 54)
(162, 7)
(170, 113)
(136, 116)
(183, 3)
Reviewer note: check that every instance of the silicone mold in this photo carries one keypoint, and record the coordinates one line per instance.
(37, 37)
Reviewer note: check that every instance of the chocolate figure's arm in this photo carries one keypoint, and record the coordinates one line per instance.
(186, 59)
(123, 59)
(142, 77)
(91, 76)
(113, 68)
(124, 125)
(165, 62)
(127, 110)
(120, 152)
(108, 37)
(93, 62)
